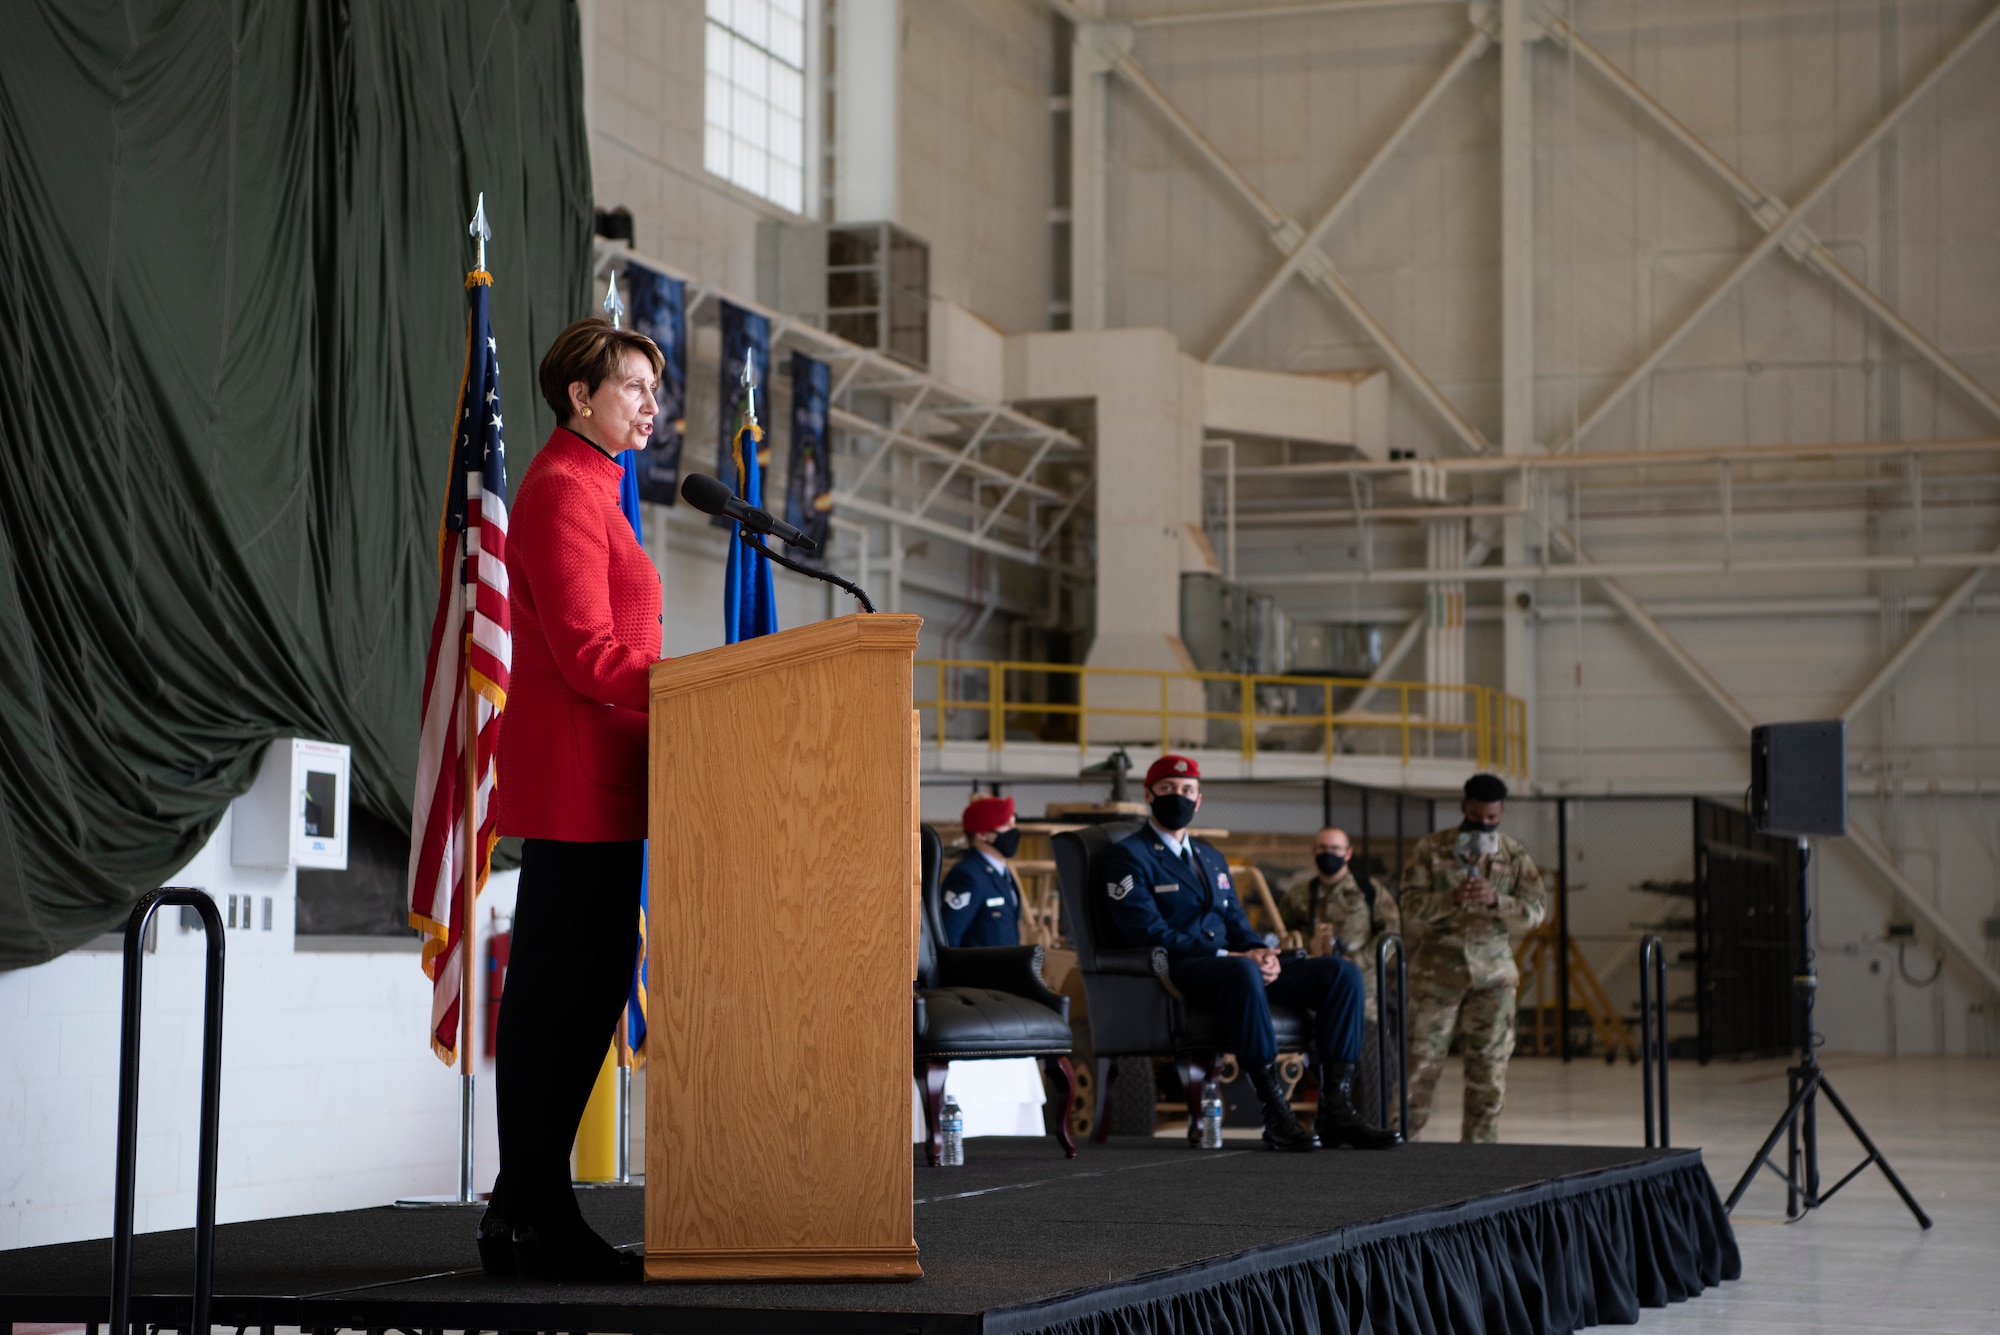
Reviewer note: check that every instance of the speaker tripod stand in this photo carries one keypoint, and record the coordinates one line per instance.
(1799, 1124)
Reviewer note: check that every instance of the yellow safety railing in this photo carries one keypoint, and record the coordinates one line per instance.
(1490, 727)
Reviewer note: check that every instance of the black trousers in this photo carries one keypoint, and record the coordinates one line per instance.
(569, 971)
(1328, 986)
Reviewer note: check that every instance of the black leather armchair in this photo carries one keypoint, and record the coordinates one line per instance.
(983, 1002)
(1135, 1010)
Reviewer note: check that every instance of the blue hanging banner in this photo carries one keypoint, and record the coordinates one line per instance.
(659, 311)
(749, 605)
(746, 338)
(809, 478)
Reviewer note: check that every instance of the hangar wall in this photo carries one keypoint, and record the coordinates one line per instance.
(1630, 231)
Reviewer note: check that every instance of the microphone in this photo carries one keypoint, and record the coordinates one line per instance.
(709, 496)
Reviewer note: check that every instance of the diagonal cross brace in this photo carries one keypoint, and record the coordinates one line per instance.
(970, 451)
(1285, 235)
(1302, 254)
(1014, 488)
(1782, 226)
(1769, 211)
(1636, 613)
(1946, 608)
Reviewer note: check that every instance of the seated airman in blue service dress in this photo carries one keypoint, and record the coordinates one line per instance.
(1165, 888)
(982, 904)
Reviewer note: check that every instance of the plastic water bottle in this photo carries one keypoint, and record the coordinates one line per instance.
(952, 1123)
(1211, 1116)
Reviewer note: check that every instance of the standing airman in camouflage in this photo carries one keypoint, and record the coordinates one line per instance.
(1464, 890)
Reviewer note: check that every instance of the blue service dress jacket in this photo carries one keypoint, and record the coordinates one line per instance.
(1157, 899)
(981, 906)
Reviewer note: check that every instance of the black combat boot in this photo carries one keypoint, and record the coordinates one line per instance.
(1281, 1130)
(1337, 1122)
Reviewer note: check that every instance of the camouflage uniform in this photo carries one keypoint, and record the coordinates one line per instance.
(1356, 926)
(1462, 972)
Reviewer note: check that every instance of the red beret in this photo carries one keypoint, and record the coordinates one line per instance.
(984, 815)
(1172, 767)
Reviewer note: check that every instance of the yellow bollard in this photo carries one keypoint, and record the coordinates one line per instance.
(596, 1157)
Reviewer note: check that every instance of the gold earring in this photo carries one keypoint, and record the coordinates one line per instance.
(586, 411)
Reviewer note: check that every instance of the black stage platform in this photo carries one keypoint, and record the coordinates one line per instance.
(1132, 1236)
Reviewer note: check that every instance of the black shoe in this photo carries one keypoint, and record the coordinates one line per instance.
(1281, 1130)
(1337, 1123)
(572, 1251)
(496, 1243)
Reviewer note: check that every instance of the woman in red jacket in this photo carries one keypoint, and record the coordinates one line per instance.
(585, 602)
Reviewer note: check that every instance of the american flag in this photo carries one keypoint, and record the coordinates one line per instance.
(470, 644)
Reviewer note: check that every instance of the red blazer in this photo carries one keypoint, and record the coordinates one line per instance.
(585, 602)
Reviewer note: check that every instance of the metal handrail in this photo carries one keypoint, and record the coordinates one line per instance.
(1653, 1032)
(1388, 941)
(1496, 726)
(128, 1107)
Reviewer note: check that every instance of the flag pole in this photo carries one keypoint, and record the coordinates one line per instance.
(614, 310)
(624, 1159)
(469, 884)
(471, 855)
(468, 893)
(469, 867)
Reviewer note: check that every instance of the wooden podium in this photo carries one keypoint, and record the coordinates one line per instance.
(781, 948)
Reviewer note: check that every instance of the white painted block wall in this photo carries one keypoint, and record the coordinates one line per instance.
(331, 1096)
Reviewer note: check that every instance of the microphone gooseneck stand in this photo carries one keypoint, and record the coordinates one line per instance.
(825, 576)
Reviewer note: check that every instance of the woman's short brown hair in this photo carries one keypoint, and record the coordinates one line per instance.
(590, 350)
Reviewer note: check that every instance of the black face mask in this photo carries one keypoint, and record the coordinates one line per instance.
(1471, 826)
(1329, 864)
(1007, 843)
(1172, 810)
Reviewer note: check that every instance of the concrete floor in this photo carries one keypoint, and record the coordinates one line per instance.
(1859, 1264)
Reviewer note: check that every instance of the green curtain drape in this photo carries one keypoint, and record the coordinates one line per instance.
(232, 251)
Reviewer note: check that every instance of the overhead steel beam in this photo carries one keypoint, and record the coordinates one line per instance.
(1804, 565)
(1766, 209)
(1311, 9)
(1782, 226)
(1285, 234)
(1636, 613)
(1907, 895)
(1410, 514)
(1821, 453)
(1519, 32)
(1474, 47)
(1947, 608)
(1089, 90)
